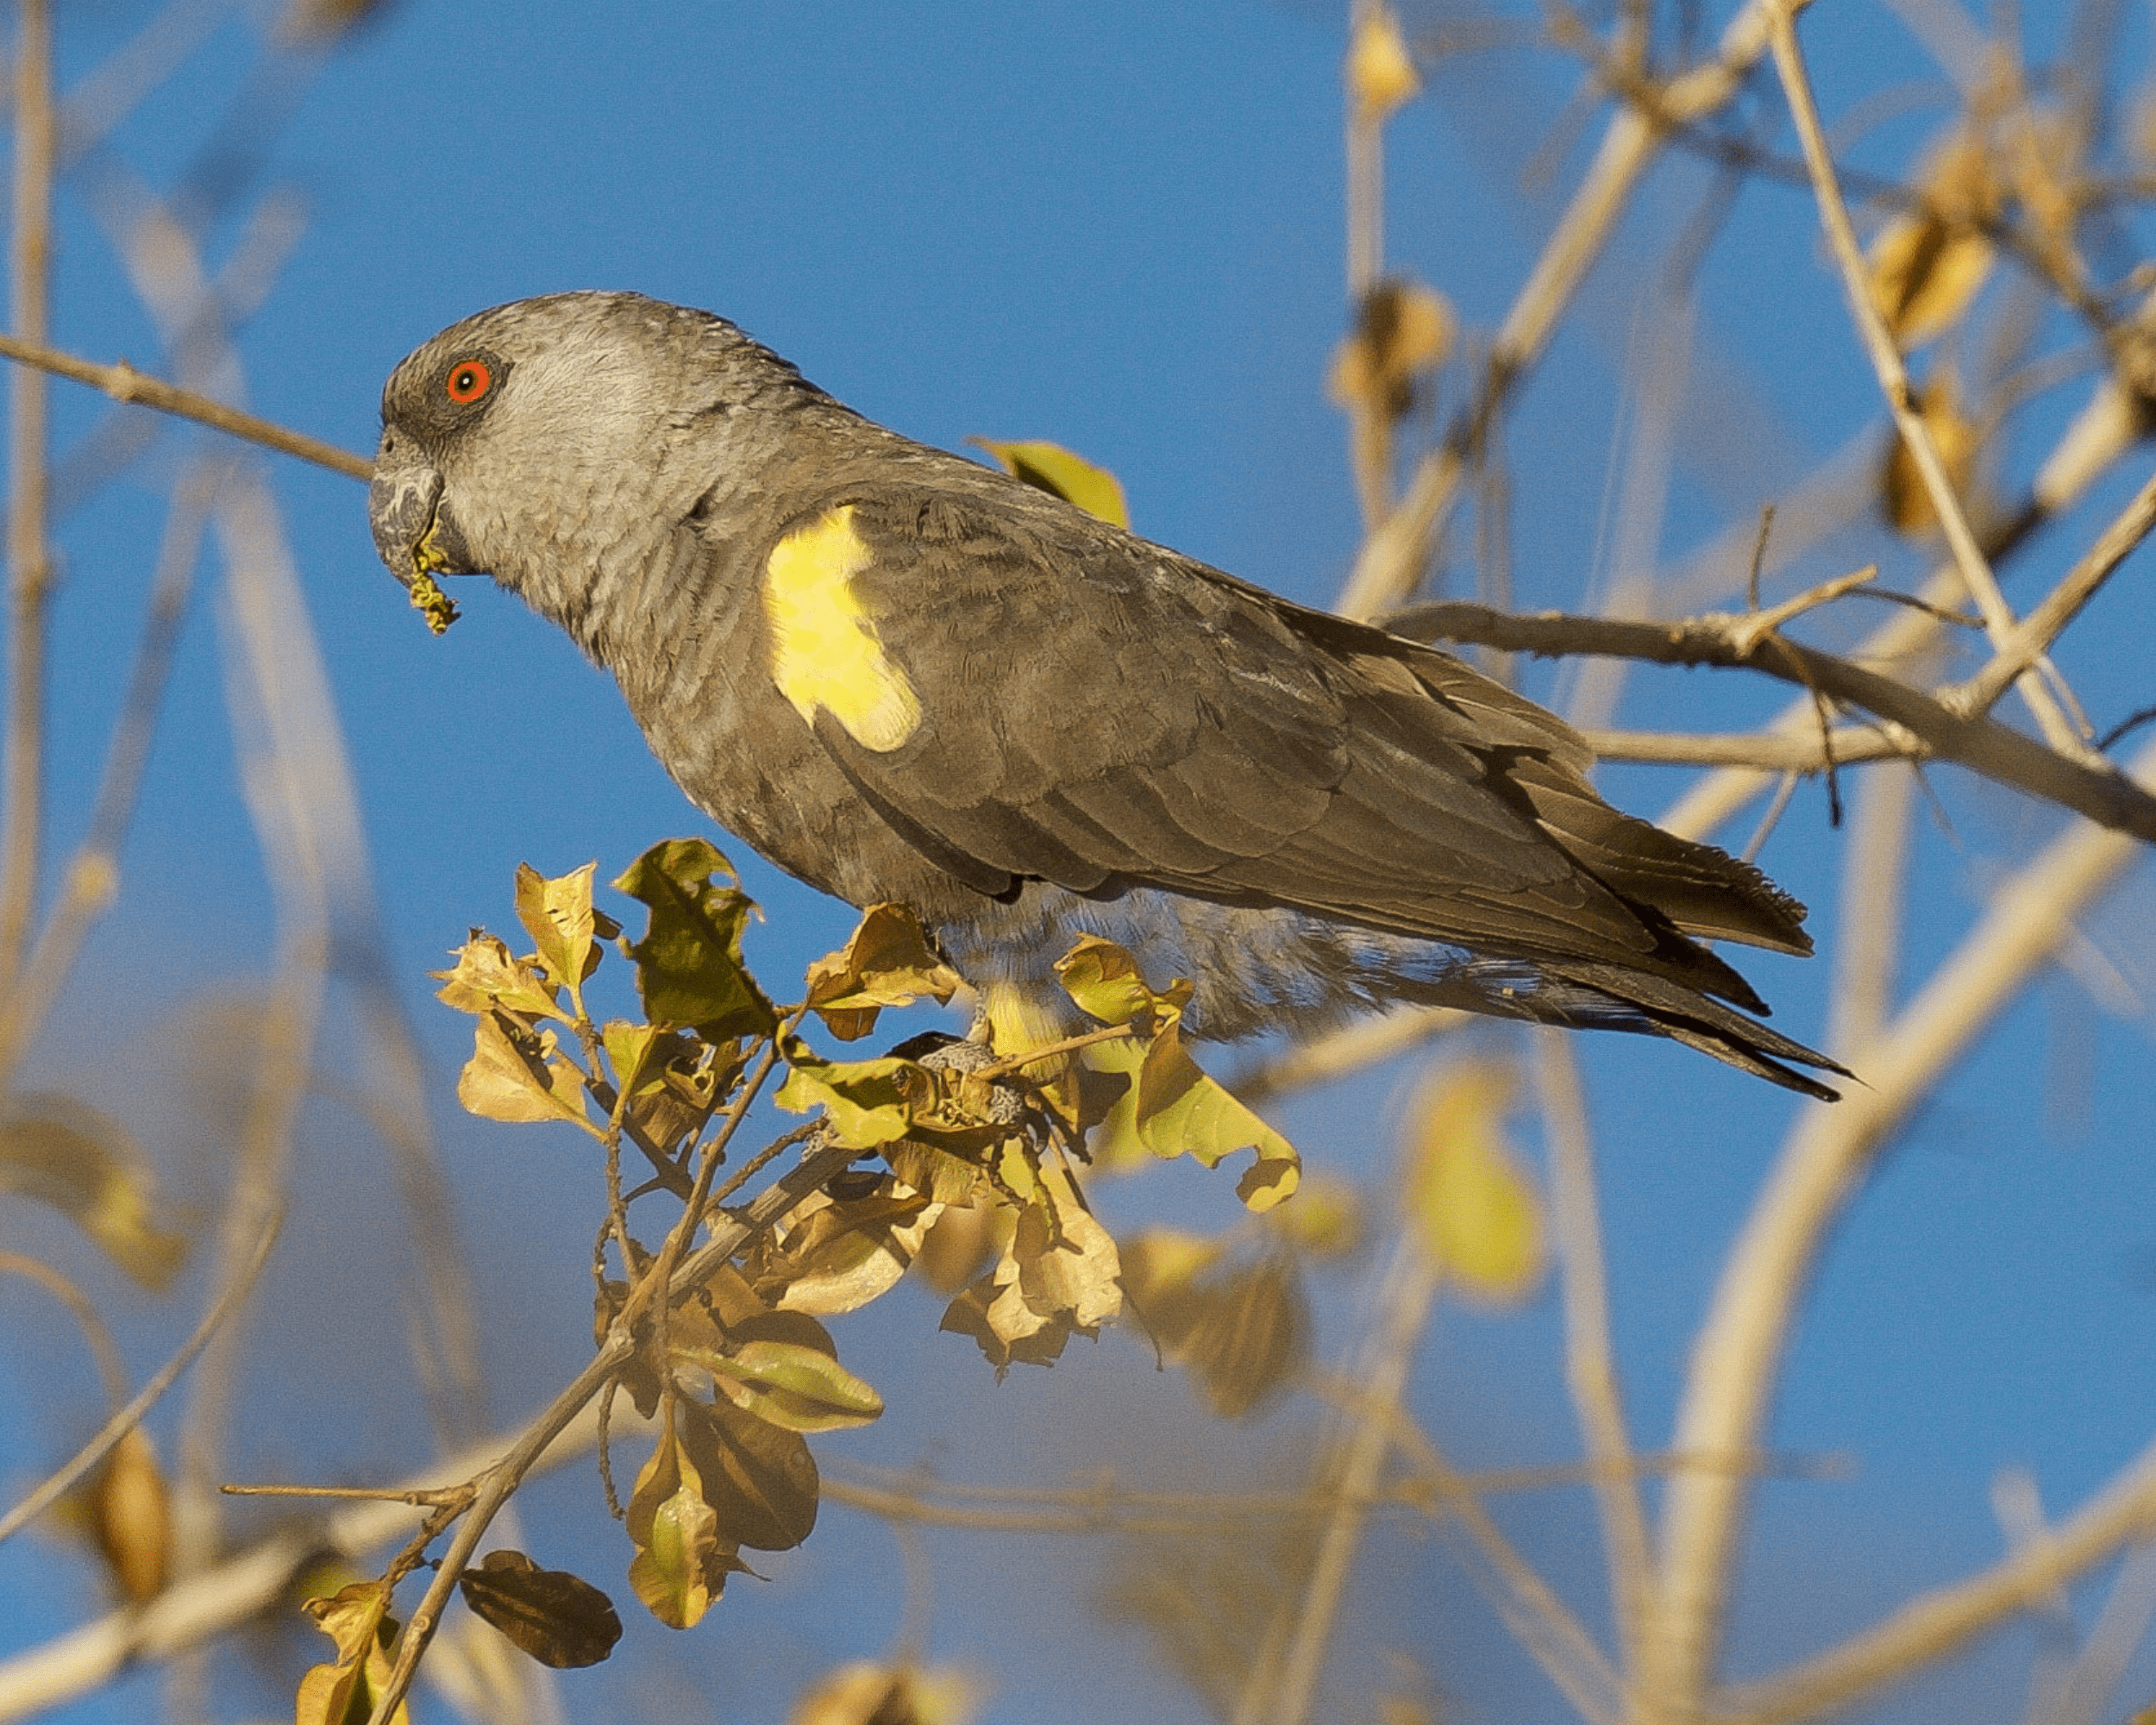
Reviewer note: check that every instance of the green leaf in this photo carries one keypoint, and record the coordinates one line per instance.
(689, 968)
(801, 1389)
(681, 1566)
(868, 1102)
(1106, 982)
(1055, 469)
(1180, 1110)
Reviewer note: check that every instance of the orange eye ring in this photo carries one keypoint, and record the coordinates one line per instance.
(467, 381)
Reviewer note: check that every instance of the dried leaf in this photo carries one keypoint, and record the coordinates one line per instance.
(1008, 1332)
(518, 1076)
(689, 968)
(1056, 470)
(1243, 1334)
(557, 914)
(559, 1619)
(761, 1479)
(840, 1256)
(1068, 1265)
(887, 962)
(958, 1244)
(1907, 500)
(1478, 1215)
(88, 1166)
(1403, 331)
(486, 976)
(1253, 1338)
(345, 1693)
(866, 1694)
(1926, 272)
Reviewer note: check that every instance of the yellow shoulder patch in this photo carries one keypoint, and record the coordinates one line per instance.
(825, 652)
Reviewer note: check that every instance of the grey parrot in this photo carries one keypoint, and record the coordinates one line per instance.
(903, 676)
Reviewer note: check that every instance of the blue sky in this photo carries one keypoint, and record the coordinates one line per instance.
(1118, 225)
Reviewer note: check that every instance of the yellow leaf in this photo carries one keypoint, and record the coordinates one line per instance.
(485, 975)
(888, 962)
(130, 1514)
(515, 1080)
(680, 1567)
(1381, 74)
(1068, 1266)
(1907, 501)
(357, 1620)
(557, 914)
(88, 1167)
(1478, 1215)
(865, 1694)
(868, 1102)
(1052, 468)
(1925, 272)
(1403, 331)
(1181, 1109)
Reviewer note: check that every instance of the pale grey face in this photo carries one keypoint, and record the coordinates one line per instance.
(526, 440)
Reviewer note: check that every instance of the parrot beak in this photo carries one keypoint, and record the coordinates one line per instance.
(414, 534)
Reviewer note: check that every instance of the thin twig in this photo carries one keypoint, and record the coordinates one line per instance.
(1351, 1468)
(124, 383)
(229, 1301)
(1936, 1624)
(507, 1474)
(1591, 1360)
(1391, 556)
(1868, 938)
(94, 1328)
(1894, 381)
(2031, 638)
(91, 879)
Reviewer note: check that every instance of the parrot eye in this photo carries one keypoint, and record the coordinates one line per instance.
(467, 381)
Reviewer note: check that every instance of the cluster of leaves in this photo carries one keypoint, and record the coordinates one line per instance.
(980, 1146)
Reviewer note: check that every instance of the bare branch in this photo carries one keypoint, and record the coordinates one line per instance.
(2091, 787)
(1736, 1359)
(124, 383)
(29, 565)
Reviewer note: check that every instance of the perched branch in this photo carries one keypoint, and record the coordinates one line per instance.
(503, 1479)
